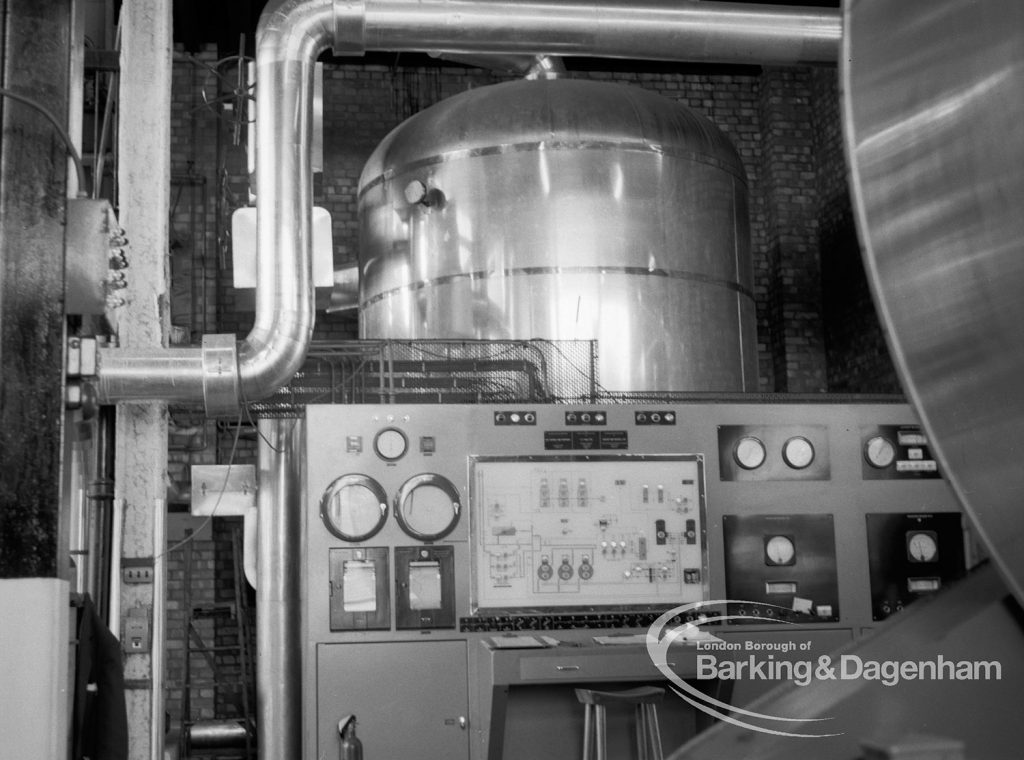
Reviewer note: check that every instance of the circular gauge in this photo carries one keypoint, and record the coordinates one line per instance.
(880, 452)
(921, 546)
(390, 444)
(798, 452)
(779, 550)
(354, 507)
(749, 452)
(427, 507)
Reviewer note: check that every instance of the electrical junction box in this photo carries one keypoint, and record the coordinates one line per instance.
(89, 233)
(137, 631)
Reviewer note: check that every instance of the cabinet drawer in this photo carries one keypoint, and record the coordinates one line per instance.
(588, 667)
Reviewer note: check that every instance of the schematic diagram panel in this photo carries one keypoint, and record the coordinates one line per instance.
(580, 532)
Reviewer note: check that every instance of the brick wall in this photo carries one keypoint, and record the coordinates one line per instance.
(201, 577)
(190, 559)
(856, 355)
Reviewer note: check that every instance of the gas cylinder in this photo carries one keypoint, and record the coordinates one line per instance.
(351, 747)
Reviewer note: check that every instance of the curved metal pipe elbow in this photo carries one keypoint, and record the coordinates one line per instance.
(291, 36)
(223, 373)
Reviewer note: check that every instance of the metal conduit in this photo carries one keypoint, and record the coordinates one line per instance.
(292, 33)
(279, 591)
(670, 31)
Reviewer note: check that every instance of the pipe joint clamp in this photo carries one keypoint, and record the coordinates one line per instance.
(349, 27)
(220, 375)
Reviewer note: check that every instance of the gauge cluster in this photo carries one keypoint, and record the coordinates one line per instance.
(781, 567)
(910, 556)
(426, 507)
(441, 517)
(897, 452)
(773, 452)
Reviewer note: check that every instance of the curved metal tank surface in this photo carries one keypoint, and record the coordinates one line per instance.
(562, 209)
(932, 109)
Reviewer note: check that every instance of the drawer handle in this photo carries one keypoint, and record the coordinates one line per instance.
(567, 667)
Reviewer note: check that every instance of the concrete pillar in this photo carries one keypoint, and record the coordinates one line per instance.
(141, 453)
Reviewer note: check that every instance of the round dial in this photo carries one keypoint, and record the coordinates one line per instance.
(921, 547)
(749, 452)
(354, 507)
(779, 550)
(390, 444)
(880, 452)
(428, 506)
(798, 452)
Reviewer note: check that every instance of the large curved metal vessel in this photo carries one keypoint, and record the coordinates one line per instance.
(933, 132)
(563, 209)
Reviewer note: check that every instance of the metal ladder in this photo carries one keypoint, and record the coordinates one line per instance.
(219, 737)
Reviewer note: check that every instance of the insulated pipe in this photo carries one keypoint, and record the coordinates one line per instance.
(279, 590)
(658, 30)
(292, 34)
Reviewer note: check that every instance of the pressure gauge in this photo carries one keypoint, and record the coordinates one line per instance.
(354, 507)
(779, 550)
(749, 452)
(880, 452)
(922, 546)
(798, 452)
(390, 444)
(427, 507)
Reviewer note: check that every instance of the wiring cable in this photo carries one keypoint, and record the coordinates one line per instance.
(69, 144)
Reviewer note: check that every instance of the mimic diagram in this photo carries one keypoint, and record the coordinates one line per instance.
(554, 532)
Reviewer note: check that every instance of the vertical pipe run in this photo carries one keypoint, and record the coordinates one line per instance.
(101, 501)
(279, 591)
(157, 721)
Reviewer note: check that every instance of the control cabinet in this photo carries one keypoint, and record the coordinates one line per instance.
(442, 542)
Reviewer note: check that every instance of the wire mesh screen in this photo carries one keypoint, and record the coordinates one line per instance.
(439, 371)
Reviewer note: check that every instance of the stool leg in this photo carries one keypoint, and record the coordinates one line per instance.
(602, 736)
(588, 731)
(655, 732)
(640, 725)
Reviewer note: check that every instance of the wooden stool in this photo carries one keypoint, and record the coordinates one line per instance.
(648, 737)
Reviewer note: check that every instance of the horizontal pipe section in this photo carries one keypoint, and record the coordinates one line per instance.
(671, 31)
(173, 375)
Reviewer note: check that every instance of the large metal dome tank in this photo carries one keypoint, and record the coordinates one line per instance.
(565, 209)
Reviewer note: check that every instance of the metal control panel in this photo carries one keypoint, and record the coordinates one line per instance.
(432, 530)
(781, 567)
(911, 556)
